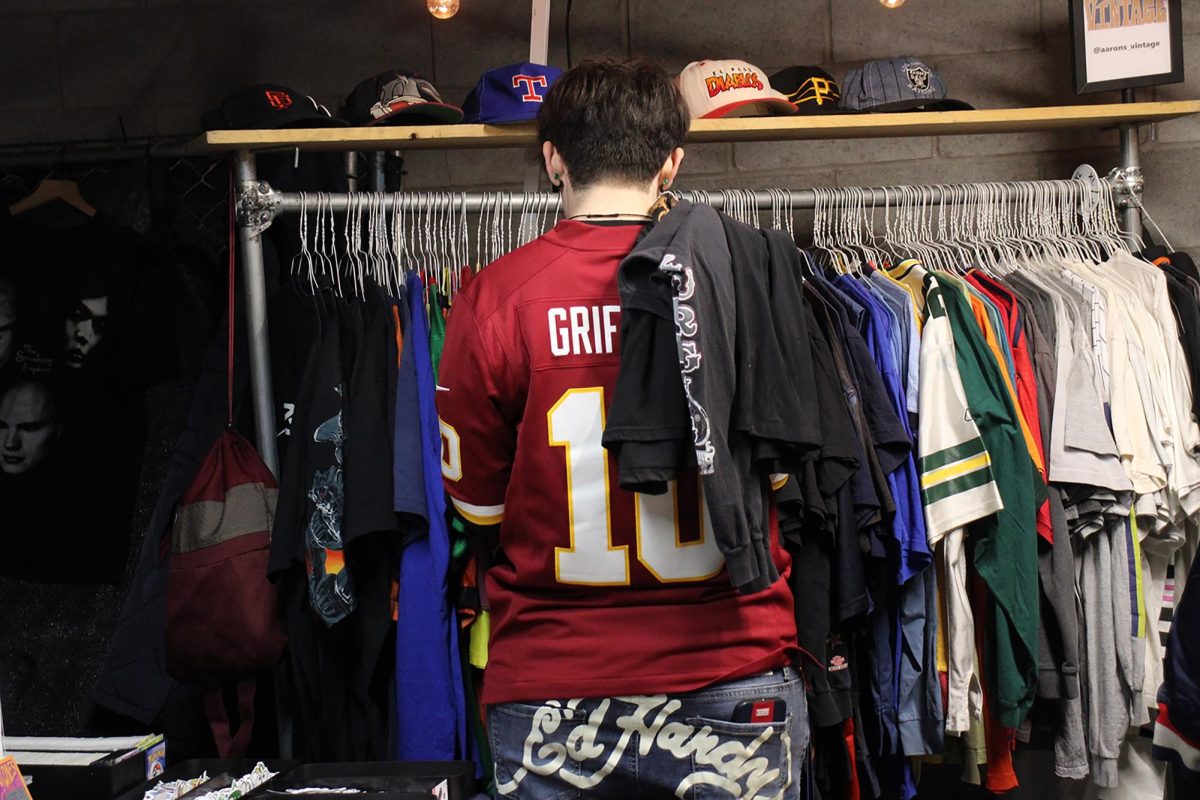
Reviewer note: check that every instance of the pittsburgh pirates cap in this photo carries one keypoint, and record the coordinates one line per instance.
(812, 89)
(730, 88)
(897, 84)
(268, 106)
(397, 97)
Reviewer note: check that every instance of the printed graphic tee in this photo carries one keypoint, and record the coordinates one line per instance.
(85, 327)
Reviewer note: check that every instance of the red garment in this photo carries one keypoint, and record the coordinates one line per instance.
(1026, 383)
(1000, 775)
(591, 598)
(853, 792)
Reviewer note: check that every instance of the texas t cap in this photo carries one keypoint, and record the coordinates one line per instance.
(897, 84)
(730, 88)
(509, 94)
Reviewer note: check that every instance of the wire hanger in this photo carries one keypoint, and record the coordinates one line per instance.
(922, 233)
(483, 212)
(776, 208)
(752, 216)
(820, 223)
(393, 276)
(464, 243)
(447, 245)
(302, 263)
(437, 243)
(939, 251)
(352, 236)
(402, 217)
(904, 232)
(325, 240)
(496, 239)
(376, 246)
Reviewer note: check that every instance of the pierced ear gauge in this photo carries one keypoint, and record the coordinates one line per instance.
(556, 179)
(666, 182)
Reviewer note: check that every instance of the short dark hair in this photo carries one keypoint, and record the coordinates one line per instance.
(614, 120)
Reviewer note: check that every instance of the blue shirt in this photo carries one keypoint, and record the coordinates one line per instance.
(408, 473)
(909, 529)
(908, 626)
(901, 304)
(431, 712)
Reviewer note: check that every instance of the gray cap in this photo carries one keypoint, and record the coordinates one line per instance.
(897, 84)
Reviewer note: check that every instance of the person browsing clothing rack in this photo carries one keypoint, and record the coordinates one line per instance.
(622, 662)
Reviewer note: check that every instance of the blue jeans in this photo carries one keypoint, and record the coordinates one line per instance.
(682, 745)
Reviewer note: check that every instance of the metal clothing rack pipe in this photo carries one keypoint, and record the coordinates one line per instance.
(270, 203)
(1131, 172)
(254, 286)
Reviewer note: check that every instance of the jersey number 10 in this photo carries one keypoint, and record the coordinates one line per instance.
(576, 424)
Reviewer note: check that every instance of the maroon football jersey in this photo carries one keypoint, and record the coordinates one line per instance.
(600, 591)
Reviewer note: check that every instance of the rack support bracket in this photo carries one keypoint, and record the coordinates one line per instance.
(257, 205)
(1128, 184)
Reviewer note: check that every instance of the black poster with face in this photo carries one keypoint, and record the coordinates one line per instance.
(84, 329)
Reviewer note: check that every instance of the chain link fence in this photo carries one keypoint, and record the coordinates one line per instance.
(202, 188)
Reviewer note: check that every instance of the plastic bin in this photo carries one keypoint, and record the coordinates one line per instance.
(98, 781)
(383, 780)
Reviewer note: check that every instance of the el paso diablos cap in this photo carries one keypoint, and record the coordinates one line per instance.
(730, 88)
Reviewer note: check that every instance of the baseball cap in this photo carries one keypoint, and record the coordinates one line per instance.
(397, 97)
(812, 89)
(509, 94)
(268, 105)
(730, 88)
(897, 84)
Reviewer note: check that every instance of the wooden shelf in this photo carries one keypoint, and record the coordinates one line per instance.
(747, 129)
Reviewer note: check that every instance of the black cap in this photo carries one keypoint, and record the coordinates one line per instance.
(812, 89)
(268, 105)
(397, 97)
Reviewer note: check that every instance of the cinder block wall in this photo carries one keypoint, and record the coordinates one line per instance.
(94, 69)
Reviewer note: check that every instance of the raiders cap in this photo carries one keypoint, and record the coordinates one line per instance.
(268, 106)
(811, 89)
(897, 84)
(397, 97)
(730, 88)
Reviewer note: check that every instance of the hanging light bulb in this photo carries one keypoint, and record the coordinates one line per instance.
(891, 3)
(445, 9)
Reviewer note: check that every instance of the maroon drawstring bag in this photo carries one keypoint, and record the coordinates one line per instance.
(223, 619)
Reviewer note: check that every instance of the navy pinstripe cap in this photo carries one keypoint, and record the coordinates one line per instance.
(897, 84)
